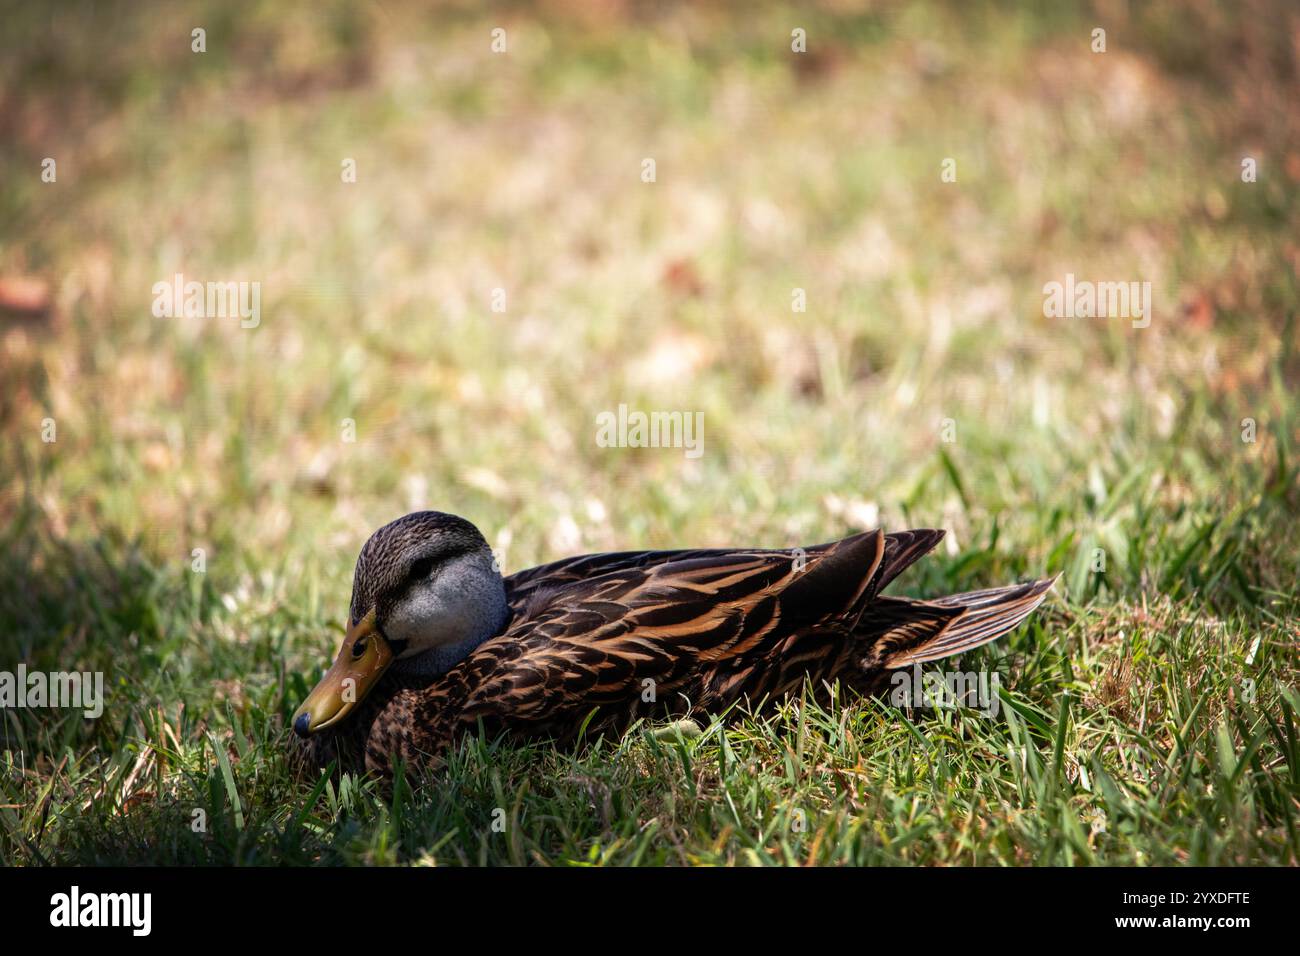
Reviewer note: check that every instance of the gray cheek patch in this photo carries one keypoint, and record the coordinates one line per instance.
(426, 618)
(464, 600)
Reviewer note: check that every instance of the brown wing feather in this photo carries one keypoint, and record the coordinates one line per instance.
(902, 548)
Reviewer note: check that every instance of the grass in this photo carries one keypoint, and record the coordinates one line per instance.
(1148, 712)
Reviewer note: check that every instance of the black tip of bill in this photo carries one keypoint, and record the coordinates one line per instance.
(302, 726)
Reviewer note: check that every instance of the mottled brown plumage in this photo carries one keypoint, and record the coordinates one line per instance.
(655, 633)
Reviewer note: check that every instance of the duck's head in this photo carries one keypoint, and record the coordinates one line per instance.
(426, 592)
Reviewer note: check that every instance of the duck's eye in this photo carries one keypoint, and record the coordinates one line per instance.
(358, 649)
(420, 569)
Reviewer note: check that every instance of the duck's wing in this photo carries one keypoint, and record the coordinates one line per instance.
(522, 585)
(711, 626)
(901, 549)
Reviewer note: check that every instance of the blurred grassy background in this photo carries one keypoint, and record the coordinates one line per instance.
(522, 171)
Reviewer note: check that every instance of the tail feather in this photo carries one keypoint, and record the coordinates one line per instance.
(980, 617)
(894, 624)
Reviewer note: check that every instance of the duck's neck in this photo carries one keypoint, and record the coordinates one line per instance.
(439, 660)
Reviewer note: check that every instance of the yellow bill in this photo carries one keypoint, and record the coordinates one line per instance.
(362, 659)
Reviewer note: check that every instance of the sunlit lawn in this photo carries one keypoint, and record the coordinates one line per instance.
(499, 274)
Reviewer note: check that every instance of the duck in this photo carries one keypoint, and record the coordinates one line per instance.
(439, 644)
